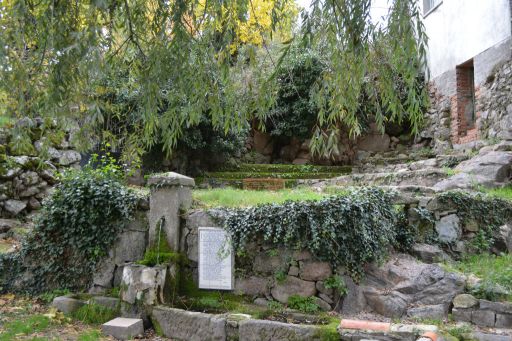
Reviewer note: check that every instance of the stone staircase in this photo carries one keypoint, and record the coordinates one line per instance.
(400, 172)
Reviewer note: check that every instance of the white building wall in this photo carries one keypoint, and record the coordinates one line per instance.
(458, 30)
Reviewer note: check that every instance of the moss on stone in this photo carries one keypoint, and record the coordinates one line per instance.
(153, 257)
(329, 331)
(157, 327)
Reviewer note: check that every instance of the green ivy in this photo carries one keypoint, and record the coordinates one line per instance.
(488, 212)
(74, 231)
(350, 230)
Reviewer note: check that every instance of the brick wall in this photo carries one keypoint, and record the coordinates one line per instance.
(463, 115)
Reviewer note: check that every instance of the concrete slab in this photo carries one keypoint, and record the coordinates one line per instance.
(123, 328)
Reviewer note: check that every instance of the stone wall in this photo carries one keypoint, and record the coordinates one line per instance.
(467, 308)
(265, 150)
(26, 178)
(263, 272)
(129, 248)
(445, 125)
(495, 105)
(268, 273)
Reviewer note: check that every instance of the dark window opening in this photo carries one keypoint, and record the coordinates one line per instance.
(466, 97)
(430, 5)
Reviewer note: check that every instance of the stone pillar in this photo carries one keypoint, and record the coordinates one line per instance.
(170, 194)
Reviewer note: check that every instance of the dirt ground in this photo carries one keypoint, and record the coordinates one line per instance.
(24, 318)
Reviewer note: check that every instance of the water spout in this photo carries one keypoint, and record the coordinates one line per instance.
(161, 223)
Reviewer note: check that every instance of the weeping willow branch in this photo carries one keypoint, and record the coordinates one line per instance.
(150, 69)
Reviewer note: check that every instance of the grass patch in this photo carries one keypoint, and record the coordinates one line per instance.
(94, 314)
(12, 330)
(494, 271)
(232, 197)
(329, 331)
(93, 335)
(47, 297)
(5, 121)
(502, 192)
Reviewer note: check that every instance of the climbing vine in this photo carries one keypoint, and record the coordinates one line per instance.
(486, 212)
(77, 226)
(350, 230)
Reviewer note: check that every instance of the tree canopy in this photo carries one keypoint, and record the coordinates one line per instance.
(139, 72)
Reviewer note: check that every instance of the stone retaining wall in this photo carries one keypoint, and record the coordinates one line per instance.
(129, 248)
(493, 111)
(264, 272)
(26, 178)
(483, 313)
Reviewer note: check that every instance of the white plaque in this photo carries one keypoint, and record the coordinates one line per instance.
(215, 259)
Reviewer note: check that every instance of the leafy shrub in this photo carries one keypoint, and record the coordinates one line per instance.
(295, 111)
(337, 283)
(350, 230)
(201, 147)
(304, 304)
(74, 231)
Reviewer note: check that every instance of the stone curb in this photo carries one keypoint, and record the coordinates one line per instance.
(365, 325)
(375, 327)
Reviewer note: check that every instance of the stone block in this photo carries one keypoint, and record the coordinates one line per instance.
(147, 285)
(315, 271)
(130, 247)
(484, 318)
(437, 311)
(322, 304)
(107, 302)
(448, 228)
(481, 336)
(503, 321)
(253, 286)
(500, 307)
(465, 301)
(169, 196)
(462, 315)
(293, 286)
(123, 328)
(268, 264)
(187, 325)
(262, 330)
(67, 304)
(170, 179)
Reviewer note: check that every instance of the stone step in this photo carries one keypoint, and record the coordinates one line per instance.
(421, 177)
(399, 164)
(123, 328)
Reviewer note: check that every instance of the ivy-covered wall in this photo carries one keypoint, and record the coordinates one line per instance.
(316, 250)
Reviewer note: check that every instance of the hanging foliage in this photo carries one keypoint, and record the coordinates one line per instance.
(198, 57)
(350, 230)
